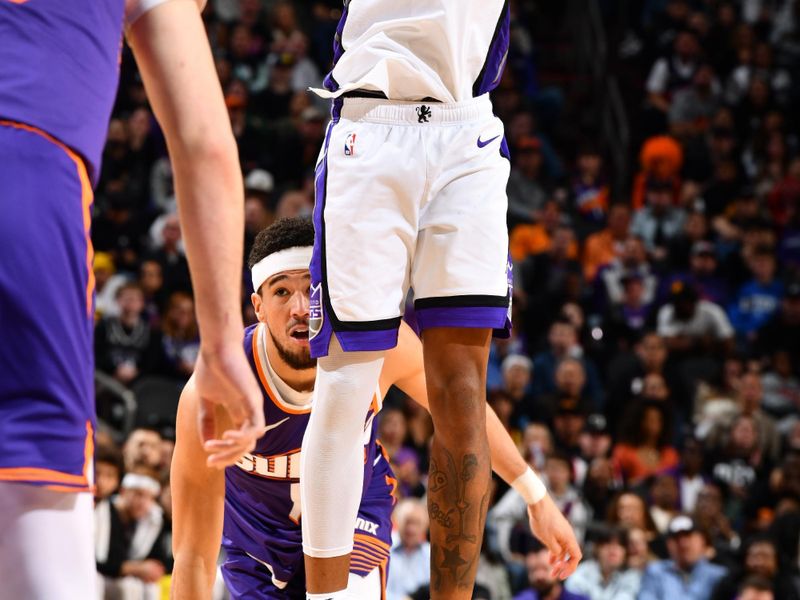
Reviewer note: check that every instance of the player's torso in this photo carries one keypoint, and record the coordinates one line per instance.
(59, 68)
(419, 49)
(262, 493)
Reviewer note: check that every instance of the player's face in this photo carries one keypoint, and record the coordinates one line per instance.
(283, 306)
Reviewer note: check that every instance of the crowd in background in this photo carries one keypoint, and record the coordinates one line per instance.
(653, 377)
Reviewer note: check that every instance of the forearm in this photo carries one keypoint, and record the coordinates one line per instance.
(208, 186)
(507, 462)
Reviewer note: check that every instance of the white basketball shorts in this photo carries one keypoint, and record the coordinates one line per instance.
(409, 194)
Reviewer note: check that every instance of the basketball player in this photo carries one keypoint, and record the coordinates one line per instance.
(59, 64)
(254, 506)
(410, 193)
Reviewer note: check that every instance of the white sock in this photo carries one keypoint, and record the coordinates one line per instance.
(340, 595)
(332, 459)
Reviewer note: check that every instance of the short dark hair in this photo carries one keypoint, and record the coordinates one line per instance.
(757, 583)
(281, 235)
(111, 455)
(606, 534)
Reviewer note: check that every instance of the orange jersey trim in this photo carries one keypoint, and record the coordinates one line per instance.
(87, 197)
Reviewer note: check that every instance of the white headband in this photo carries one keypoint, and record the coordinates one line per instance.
(137, 481)
(291, 259)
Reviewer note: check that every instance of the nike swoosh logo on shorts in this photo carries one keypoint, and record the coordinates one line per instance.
(481, 143)
(274, 425)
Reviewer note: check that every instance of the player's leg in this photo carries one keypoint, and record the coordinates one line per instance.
(365, 232)
(46, 388)
(46, 546)
(460, 279)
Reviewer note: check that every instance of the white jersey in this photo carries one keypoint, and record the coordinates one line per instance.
(445, 50)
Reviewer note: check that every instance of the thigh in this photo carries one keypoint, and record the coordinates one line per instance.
(46, 546)
(460, 269)
(46, 291)
(369, 181)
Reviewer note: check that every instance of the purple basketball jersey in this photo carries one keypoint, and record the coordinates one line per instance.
(59, 69)
(262, 493)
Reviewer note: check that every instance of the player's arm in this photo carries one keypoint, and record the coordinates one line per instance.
(198, 502)
(404, 367)
(172, 52)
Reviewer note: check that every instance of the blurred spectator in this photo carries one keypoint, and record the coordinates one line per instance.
(692, 108)
(632, 260)
(123, 344)
(606, 576)
(749, 404)
(392, 429)
(604, 246)
(589, 190)
(659, 221)
(405, 465)
(142, 449)
(782, 331)
(180, 341)
(527, 193)
(541, 583)
(674, 72)
(781, 391)
(702, 275)
(569, 411)
(147, 555)
(517, 370)
(710, 517)
(411, 555)
(663, 501)
(551, 231)
(107, 283)
(687, 574)
(756, 589)
(151, 280)
(109, 538)
(693, 327)
(644, 447)
(757, 300)
(563, 344)
(690, 474)
(760, 560)
(558, 474)
(624, 322)
(165, 235)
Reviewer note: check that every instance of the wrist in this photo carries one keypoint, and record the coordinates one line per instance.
(530, 487)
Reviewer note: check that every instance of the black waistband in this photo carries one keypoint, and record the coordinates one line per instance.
(377, 95)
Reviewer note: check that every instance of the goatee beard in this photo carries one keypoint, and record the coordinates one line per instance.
(299, 362)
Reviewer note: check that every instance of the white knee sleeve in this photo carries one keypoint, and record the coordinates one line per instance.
(332, 459)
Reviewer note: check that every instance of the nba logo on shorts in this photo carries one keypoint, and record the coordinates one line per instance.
(350, 145)
(315, 315)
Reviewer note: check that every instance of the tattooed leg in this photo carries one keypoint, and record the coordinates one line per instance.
(460, 468)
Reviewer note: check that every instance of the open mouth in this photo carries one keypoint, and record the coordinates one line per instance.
(300, 334)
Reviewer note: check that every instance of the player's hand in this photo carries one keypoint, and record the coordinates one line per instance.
(554, 531)
(223, 377)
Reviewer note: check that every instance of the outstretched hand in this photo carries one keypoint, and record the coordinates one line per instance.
(550, 526)
(224, 378)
